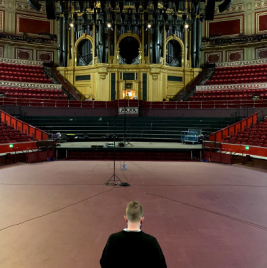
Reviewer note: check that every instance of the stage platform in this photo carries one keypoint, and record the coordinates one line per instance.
(129, 151)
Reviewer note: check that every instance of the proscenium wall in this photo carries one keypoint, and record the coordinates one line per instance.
(242, 18)
(18, 18)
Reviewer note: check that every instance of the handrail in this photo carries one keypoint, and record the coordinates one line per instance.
(218, 104)
(191, 85)
(65, 83)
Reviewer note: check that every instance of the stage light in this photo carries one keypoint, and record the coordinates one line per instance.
(10, 145)
(186, 26)
(109, 25)
(149, 25)
(247, 147)
(71, 24)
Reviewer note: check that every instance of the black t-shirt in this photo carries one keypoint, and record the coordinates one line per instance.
(132, 250)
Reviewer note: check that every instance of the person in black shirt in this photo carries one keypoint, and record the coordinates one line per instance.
(131, 247)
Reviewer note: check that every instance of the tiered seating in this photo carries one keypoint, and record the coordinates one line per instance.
(10, 135)
(256, 135)
(229, 95)
(239, 75)
(14, 92)
(23, 73)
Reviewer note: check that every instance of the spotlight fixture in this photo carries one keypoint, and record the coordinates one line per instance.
(71, 25)
(109, 25)
(149, 25)
(186, 26)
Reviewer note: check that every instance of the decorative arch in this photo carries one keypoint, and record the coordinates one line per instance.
(82, 37)
(174, 37)
(128, 34)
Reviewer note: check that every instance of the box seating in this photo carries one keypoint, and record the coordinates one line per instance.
(239, 75)
(256, 135)
(10, 135)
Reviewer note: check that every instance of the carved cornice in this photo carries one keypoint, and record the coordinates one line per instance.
(232, 9)
(260, 4)
(242, 63)
(25, 7)
(232, 87)
(21, 62)
(29, 85)
(241, 39)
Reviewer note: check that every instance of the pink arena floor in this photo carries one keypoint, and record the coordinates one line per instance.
(60, 214)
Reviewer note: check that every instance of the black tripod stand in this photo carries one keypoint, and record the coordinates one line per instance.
(114, 179)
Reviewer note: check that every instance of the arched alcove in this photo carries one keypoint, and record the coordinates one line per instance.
(129, 51)
(174, 53)
(84, 53)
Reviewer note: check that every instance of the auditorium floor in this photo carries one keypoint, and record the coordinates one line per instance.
(204, 215)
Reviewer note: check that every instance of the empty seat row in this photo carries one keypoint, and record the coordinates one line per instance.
(25, 79)
(243, 68)
(22, 66)
(32, 90)
(19, 73)
(236, 80)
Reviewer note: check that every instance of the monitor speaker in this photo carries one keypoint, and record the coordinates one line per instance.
(224, 5)
(34, 4)
(50, 9)
(210, 7)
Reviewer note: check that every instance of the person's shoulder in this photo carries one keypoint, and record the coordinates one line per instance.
(149, 237)
(118, 234)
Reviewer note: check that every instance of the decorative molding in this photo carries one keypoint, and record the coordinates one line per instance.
(21, 62)
(25, 7)
(19, 50)
(259, 50)
(34, 19)
(29, 85)
(2, 4)
(226, 19)
(2, 23)
(230, 52)
(128, 110)
(232, 9)
(232, 87)
(260, 4)
(1, 51)
(241, 63)
(257, 22)
(43, 52)
(219, 53)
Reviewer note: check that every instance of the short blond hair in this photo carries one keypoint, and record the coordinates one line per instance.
(134, 211)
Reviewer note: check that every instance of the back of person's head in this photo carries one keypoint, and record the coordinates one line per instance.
(134, 211)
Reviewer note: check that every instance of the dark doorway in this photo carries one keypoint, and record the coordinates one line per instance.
(174, 54)
(84, 53)
(129, 53)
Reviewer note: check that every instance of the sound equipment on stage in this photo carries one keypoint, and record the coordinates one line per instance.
(35, 4)
(50, 9)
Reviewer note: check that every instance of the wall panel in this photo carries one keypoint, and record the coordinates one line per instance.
(44, 55)
(261, 22)
(213, 57)
(261, 53)
(23, 53)
(231, 25)
(235, 55)
(33, 25)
